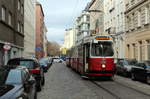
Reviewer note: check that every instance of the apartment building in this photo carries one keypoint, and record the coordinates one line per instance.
(96, 9)
(114, 24)
(137, 18)
(82, 26)
(29, 28)
(68, 38)
(45, 41)
(39, 31)
(11, 29)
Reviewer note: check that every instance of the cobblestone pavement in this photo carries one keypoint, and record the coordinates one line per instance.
(64, 83)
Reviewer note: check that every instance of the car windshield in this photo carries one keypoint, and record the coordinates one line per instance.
(43, 60)
(148, 62)
(14, 77)
(10, 76)
(102, 49)
(132, 62)
(126, 63)
(28, 63)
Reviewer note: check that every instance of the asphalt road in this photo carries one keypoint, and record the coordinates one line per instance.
(63, 83)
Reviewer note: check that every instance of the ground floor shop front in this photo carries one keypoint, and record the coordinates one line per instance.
(138, 45)
(13, 52)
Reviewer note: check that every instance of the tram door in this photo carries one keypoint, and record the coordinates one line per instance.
(86, 56)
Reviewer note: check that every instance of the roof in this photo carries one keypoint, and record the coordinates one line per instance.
(24, 58)
(91, 3)
(8, 67)
(37, 3)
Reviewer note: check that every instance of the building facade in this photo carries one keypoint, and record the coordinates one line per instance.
(68, 38)
(29, 28)
(114, 24)
(96, 10)
(11, 29)
(82, 26)
(137, 29)
(45, 41)
(39, 31)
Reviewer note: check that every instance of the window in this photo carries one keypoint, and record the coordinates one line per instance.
(146, 15)
(21, 28)
(22, 10)
(102, 49)
(139, 18)
(132, 21)
(3, 14)
(19, 5)
(18, 27)
(10, 19)
(14, 77)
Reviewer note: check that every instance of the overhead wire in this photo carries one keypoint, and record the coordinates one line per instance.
(73, 13)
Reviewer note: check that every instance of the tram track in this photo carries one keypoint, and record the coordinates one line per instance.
(133, 89)
(105, 89)
(116, 90)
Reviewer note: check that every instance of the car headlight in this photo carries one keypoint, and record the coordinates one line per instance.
(20, 98)
(23, 96)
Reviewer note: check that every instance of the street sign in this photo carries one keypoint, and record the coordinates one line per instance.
(7, 46)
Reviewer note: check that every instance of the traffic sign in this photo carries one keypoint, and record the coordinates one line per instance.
(7, 46)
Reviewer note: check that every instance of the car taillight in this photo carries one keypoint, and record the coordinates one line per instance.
(36, 71)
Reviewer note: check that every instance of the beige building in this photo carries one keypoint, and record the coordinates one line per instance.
(29, 28)
(114, 24)
(45, 41)
(68, 38)
(138, 29)
(96, 8)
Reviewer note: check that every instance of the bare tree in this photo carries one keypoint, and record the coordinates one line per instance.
(53, 49)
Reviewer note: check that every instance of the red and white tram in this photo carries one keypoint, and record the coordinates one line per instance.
(93, 57)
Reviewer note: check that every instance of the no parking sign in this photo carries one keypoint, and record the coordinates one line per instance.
(7, 46)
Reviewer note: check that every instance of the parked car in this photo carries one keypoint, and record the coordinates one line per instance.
(123, 66)
(141, 71)
(57, 60)
(45, 63)
(16, 83)
(50, 60)
(63, 58)
(34, 68)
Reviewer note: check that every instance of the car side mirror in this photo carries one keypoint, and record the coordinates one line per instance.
(31, 81)
(144, 67)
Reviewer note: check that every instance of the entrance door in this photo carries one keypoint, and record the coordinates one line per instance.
(1, 58)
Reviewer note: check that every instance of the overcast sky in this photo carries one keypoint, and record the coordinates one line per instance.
(60, 15)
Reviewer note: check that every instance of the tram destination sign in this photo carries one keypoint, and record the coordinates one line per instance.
(102, 38)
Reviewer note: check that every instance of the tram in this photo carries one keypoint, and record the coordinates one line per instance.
(93, 57)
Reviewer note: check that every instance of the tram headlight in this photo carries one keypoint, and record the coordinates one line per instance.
(103, 66)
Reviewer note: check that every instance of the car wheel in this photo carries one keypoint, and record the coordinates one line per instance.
(133, 76)
(39, 86)
(35, 96)
(148, 79)
(43, 81)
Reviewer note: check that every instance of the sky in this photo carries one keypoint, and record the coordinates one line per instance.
(60, 15)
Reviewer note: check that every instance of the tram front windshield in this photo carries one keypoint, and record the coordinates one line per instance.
(102, 49)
